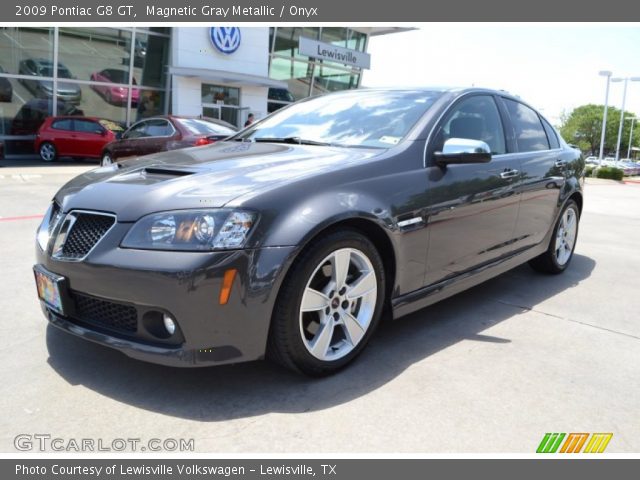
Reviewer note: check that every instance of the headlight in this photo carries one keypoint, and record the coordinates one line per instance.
(191, 230)
(50, 220)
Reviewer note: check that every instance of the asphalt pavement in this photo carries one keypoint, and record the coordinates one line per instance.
(489, 370)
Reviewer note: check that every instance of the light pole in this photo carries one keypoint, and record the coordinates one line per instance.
(633, 119)
(604, 73)
(624, 98)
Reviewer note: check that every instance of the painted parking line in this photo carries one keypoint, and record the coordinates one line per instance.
(23, 217)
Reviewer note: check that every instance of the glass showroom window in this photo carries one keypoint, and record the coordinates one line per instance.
(26, 56)
(102, 72)
(331, 79)
(297, 75)
(99, 58)
(221, 102)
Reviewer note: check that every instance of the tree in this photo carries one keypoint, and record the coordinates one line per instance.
(583, 127)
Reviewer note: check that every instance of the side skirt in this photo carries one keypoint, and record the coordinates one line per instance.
(431, 294)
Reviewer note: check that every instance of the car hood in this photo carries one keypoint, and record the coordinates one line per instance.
(200, 177)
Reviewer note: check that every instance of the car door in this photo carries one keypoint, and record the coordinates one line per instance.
(472, 207)
(543, 172)
(63, 136)
(131, 141)
(90, 138)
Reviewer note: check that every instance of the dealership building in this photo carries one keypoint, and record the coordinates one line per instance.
(127, 74)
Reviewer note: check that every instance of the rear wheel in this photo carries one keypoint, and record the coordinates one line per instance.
(48, 152)
(563, 242)
(106, 160)
(329, 305)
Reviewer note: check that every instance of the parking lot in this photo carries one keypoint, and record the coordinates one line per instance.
(490, 370)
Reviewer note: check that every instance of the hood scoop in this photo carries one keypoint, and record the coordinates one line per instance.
(151, 175)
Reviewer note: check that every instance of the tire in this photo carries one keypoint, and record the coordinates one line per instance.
(563, 242)
(336, 323)
(48, 152)
(106, 160)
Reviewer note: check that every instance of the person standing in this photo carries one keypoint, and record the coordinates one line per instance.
(249, 121)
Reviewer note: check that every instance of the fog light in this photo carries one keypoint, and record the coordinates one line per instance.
(169, 324)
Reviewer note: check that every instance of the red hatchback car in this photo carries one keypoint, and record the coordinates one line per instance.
(163, 133)
(75, 137)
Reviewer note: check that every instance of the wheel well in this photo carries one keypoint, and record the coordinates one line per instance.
(577, 197)
(380, 240)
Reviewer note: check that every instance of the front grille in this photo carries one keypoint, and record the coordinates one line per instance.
(87, 230)
(104, 313)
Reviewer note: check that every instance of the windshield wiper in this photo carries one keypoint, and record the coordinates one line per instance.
(294, 140)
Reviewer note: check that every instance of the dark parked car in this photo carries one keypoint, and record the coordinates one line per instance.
(32, 114)
(160, 134)
(79, 137)
(115, 95)
(68, 92)
(290, 240)
(6, 90)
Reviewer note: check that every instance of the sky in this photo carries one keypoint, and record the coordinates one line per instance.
(553, 67)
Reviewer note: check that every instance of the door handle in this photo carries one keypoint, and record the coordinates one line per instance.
(511, 173)
(561, 163)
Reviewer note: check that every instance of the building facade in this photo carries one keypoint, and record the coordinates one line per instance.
(126, 74)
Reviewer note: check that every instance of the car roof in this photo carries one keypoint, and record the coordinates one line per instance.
(79, 117)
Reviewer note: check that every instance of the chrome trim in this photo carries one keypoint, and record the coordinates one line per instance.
(69, 221)
(411, 221)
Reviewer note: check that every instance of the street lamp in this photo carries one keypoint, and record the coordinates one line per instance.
(604, 73)
(633, 119)
(624, 98)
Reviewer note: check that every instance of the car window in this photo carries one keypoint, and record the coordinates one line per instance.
(530, 134)
(202, 127)
(474, 118)
(63, 124)
(139, 130)
(551, 134)
(87, 126)
(159, 128)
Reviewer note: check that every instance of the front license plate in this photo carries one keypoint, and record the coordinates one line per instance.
(49, 290)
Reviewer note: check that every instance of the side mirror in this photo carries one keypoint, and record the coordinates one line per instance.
(463, 150)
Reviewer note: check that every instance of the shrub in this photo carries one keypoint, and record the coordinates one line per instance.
(609, 172)
(588, 170)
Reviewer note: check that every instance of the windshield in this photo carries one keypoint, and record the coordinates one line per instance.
(363, 118)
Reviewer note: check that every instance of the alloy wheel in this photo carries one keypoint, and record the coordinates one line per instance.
(338, 304)
(566, 236)
(47, 152)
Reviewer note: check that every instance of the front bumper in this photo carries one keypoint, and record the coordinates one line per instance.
(186, 285)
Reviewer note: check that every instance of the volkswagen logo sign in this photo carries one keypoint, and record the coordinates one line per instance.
(225, 39)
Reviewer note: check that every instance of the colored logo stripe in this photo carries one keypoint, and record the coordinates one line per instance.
(598, 442)
(574, 443)
(550, 442)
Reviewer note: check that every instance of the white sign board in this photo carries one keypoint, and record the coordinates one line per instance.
(332, 53)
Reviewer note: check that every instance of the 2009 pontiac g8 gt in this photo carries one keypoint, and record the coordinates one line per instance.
(289, 240)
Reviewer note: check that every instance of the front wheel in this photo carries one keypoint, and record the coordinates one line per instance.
(329, 304)
(563, 242)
